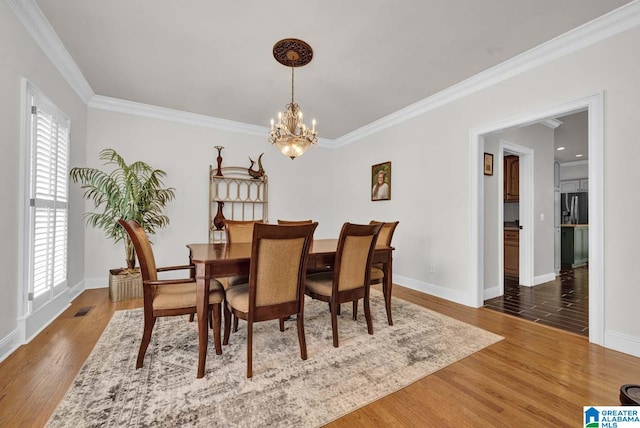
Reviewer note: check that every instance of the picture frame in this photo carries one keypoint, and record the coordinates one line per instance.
(488, 164)
(381, 181)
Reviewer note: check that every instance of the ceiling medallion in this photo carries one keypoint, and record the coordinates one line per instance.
(290, 134)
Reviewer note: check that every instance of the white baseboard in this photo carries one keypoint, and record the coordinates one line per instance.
(9, 343)
(434, 290)
(491, 292)
(91, 283)
(541, 279)
(622, 342)
(31, 325)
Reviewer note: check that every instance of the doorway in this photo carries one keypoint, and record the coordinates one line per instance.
(594, 106)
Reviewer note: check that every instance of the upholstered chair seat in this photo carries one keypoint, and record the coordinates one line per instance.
(184, 295)
(238, 297)
(320, 283)
(275, 289)
(350, 279)
(169, 297)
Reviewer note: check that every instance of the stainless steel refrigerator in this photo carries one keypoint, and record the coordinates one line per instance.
(574, 208)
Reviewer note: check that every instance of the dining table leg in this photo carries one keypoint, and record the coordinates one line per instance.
(202, 306)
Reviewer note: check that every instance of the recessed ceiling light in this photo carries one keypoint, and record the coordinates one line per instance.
(579, 156)
(560, 148)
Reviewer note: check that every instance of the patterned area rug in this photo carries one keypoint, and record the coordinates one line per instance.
(284, 391)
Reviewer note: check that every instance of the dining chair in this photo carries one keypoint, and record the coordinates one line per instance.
(294, 222)
(241, 232)
(310, 270)
(276, 284)
(169, 297)
(350, 278)
(377, 269)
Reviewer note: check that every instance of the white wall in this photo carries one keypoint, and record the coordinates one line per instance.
(573, 132)
(430, 155)
(21, 57)
(431, 183)
(298, 189)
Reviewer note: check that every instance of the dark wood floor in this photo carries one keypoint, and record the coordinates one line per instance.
(562, 303)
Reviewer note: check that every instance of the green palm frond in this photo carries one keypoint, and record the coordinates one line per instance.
(130, 191)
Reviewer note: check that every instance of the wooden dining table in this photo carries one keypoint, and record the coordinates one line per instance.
(222, 260)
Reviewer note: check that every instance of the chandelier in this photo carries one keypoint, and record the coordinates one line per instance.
(290, 134)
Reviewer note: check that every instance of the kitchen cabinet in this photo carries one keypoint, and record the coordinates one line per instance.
(511, 178)
(511, 253)
(573, 186)
(575, 245)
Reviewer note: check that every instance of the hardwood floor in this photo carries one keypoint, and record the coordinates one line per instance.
(562, 303)
(536, 376)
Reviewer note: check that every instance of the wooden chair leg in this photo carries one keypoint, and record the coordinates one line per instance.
(149, 322)
(192, 317)
(281, 324)
(367, 313)
(337, 309)
(227, 324)
(216, 328)
(301, 338)
(355, 309)
(235, 324)
(211, 318)
(334, 325)
(249, 349)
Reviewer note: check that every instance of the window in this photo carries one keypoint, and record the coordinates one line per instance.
(48, 159)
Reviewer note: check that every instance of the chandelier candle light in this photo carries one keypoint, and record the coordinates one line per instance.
(290, 134)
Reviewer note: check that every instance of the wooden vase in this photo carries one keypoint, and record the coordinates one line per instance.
(218, 220)
(219, 160)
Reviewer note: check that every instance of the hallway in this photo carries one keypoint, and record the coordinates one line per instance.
(562, 303)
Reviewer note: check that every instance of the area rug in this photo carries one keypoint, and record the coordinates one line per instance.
(285, 391)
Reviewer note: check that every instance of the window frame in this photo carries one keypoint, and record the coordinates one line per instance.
(53, 204)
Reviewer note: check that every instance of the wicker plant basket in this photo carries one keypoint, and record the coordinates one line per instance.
(125, 284)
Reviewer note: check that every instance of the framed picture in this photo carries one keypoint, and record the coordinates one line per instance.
(381, 182)
(488, 164)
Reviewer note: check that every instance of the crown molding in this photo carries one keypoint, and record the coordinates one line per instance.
(551, 123)
(36, 24)
(610, 24)
(154, 112)
(601, 28)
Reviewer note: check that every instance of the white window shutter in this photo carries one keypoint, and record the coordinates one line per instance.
(48, 207)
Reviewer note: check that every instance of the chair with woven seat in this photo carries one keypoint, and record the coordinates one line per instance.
(377, 270)
(349, 281)
(294, 222)
(169, 297)
(310, 270)
(276, 284)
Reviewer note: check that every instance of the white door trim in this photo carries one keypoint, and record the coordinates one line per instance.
(526, 184)
(595, 106)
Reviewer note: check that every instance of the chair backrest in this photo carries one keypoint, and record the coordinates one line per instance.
(274, 279)
(386, 233)
(356, 245)
(294, 222)
(240, 232)
(142, 246)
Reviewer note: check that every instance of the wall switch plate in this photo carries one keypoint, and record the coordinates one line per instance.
(542, 217)
(432, 268)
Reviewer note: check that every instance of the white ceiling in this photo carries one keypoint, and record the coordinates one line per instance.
(371, 57)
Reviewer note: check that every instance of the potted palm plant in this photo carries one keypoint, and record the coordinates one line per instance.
(129, 191)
